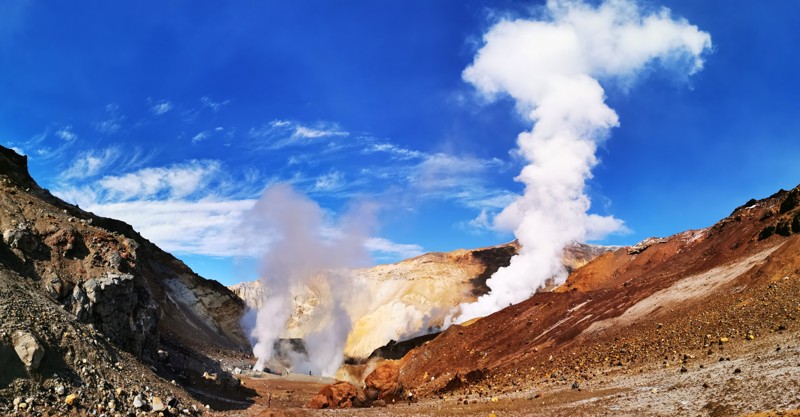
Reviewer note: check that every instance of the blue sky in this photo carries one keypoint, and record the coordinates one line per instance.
(175, 116)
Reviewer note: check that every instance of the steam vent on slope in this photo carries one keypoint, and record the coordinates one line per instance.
(677, 315)
(307, 154)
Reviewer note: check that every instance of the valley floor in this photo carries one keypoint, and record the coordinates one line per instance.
(744, 378)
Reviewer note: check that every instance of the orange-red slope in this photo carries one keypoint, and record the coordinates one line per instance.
(685, 286)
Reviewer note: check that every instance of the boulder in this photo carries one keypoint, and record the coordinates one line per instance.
(383, 383)
(338, 395)
(29, 350)
(22, 237)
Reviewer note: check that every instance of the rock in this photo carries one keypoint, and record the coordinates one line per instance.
(60, 390)
(684, 370)
(237, 371)
(338, 395)
(55, 288)
(80, 304)
(138, 401)
(71, 399)
(162, 354)
(114, 306)
(156, 404)
(22, 237)
(723, 340)
(17, 401)
(575, 385)
(495, 399)
(383, 383)
(737, 371)
(29, 350)
(643, 245)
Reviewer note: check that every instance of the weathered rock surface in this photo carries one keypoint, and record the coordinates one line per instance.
(383, 383)
(29, 350)
(338, 395)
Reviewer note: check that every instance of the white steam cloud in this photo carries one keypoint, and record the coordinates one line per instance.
(308, 253)
(552, 68)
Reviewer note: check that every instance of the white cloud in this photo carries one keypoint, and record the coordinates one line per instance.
(445, 171)
(395, 151)
(67, 134)
(386, 249)
(183, 208)
(176, 181)
(282, 133)
(482, 221)
(200, 137)
(114, 121)
(89, 164)
(108, 127)
(161, 107)
(211, 104)
(191, 227)
(311, 133)
(331, 181)
(18, 150)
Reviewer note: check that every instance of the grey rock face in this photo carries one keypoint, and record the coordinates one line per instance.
(29, 350)
(22, 237)
(114, 304)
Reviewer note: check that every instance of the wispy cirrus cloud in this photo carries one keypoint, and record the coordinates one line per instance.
(192, 208)
(384, 249)
(66, 133)
(279, 134)
(90, 163)
(200, 137)
(188, 207)
(330, 181)
(397, 152)
(203, 227)
(113, 122)
(207, 102)
(161, 107)
(177, 181)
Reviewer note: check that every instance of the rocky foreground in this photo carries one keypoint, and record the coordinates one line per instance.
(96, 319)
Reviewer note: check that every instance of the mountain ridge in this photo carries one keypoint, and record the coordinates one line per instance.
(99, 278)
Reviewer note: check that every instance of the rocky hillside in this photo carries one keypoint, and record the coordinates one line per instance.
(409, 297)
(89, 290)
(663, 302)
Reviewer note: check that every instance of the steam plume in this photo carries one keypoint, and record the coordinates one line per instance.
(306, 252)
(552, 68)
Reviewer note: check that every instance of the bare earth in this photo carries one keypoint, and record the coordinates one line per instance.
(768, 379)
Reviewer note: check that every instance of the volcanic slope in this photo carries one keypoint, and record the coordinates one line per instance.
(98, 304)
(673, 302)
(405, 298)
